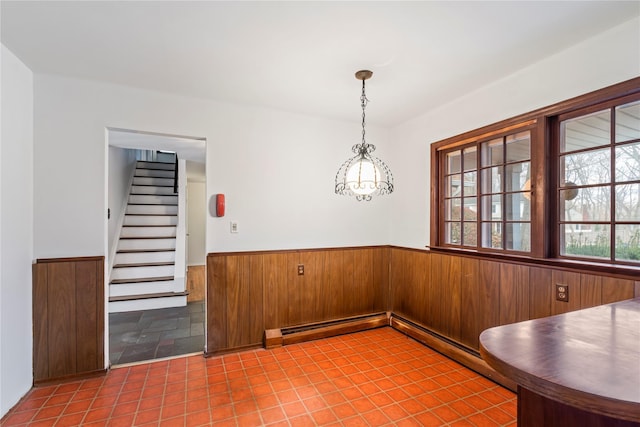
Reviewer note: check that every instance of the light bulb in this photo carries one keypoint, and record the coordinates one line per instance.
(363, 177)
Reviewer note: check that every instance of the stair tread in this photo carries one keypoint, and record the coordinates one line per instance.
(145, 264)
(139, 251)
(147, 237)
(149, 225)
(142, 280)
(148, 296)
(155, 195)
(152, 185)
(149, 214)
(152, 204)
(154, 162)
(156, 169)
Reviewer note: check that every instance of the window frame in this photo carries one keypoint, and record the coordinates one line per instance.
(610, 106)
(544, 125)
(529, 126)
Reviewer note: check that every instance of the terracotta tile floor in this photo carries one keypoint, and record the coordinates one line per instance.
(372, 378)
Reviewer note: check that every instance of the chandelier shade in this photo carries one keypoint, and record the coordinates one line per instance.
(363, 175)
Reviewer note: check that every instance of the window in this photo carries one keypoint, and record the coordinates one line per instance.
(487, 198)
(599, 184)
(559, 184)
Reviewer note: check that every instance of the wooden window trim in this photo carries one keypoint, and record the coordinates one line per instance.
(609, 105)
(544, 215)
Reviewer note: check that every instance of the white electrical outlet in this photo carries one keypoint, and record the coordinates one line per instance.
(234, 226)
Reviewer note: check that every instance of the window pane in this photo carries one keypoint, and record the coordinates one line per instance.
(517, 207)
(452, 233)
(470, 158)
(628, 202)
(516, 176)
(470, 183)
(491, 180)
(588, 131)
(452, 209)
(453, 162)
(586, 240)
(591, 167)
(492, 235)
(453, 186)
(470, 209)
(492, 207)
(518, 147)
(518, 236)
(628, 242)
(628, 162)
(628, 122)
(470, 237)
(492, 152)
(590, 204)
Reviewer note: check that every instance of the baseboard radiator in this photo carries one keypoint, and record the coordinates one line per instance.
(461, 354)
(274, 338)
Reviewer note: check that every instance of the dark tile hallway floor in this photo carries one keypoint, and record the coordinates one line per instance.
(135, 336)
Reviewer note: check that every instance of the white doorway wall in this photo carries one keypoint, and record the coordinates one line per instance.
(196, 221)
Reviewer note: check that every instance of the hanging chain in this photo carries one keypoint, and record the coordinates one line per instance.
(363, 103)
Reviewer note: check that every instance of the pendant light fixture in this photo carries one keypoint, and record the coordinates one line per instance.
(364, 175)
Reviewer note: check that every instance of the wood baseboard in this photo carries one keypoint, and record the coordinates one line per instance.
(69, 378)
(232, 350)
(458, 353)
(274, 338)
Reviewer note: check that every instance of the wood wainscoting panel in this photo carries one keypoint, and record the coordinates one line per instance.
(480, 307)
(514, 293)
(445, 293)
(251, 292)
(312, 291)
(275, 295)
(381, 287)
(410, 284)
(245, 323)
(196, 282)
(68, 317)
(90, 316)
(540, 293)
(61, 299)
(614, 290)
(333, 282)
(216, 303)
(40, 322)
(590, 291)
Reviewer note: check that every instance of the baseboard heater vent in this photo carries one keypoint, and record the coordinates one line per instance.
(456, 351)
(274, 338)
(395, 319)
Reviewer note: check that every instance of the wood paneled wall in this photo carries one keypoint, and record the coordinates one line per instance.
(195, 282)
(251, 292)
(455, 296)
(459, 296)
(68, 317)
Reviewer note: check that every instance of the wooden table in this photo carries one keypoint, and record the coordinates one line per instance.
(575, 369)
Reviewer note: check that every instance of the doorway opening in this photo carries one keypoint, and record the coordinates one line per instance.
(156, 230)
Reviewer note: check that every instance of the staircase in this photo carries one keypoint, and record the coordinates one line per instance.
(143, 275)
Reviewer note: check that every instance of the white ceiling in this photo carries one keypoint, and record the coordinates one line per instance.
(301, 56)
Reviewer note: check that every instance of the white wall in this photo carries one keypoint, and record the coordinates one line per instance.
(609, 58)
(122, 162)
(277, 169)
(16, 229)
(196, 221)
